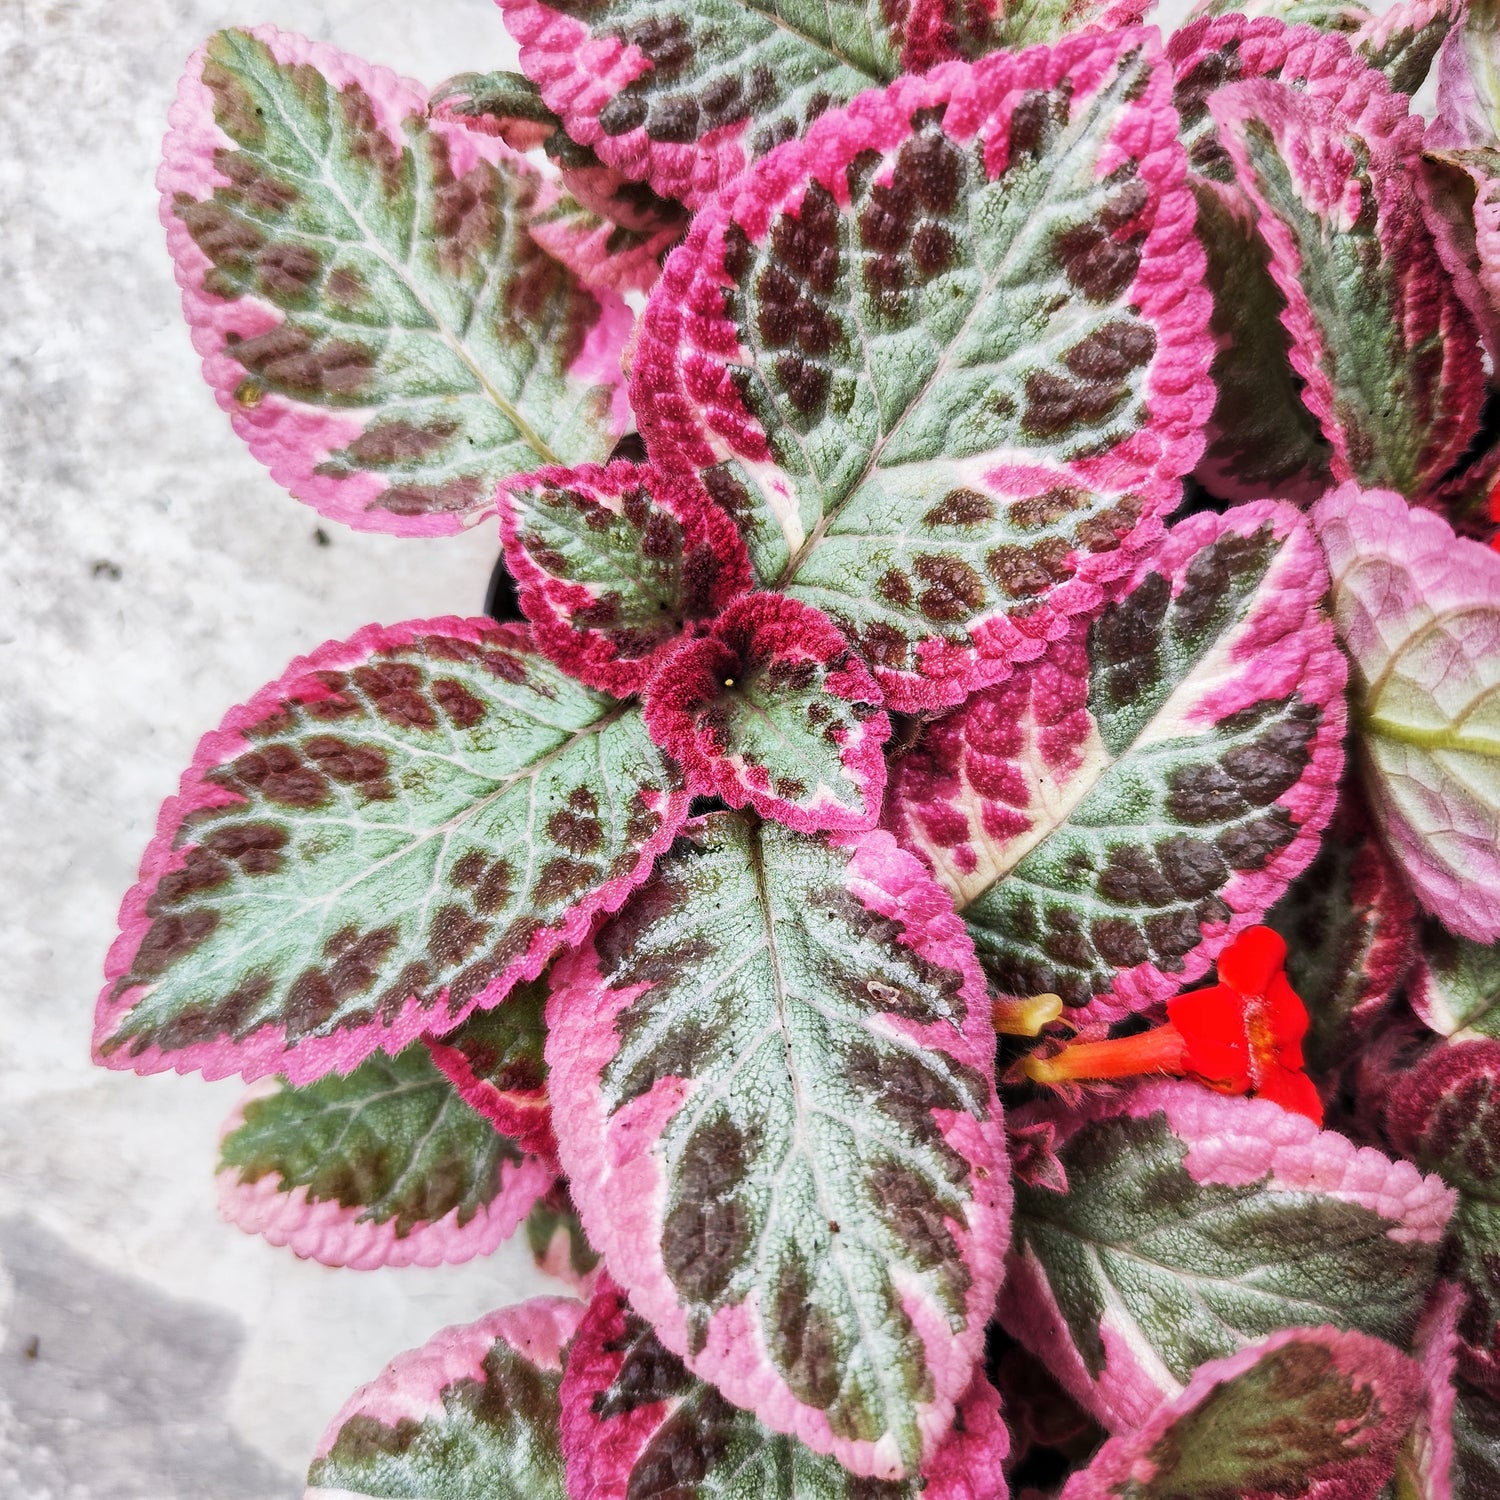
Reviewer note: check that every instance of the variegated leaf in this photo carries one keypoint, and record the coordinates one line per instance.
(1476, 1446)
(495, 1061)
(370, 309)
(1418, 611)
(684, 97)
(389, 836)
(1389, 353)
(1424, 1468)
(614, 563)
(1445, 1114)
(1464, 187)
(1113, 814)
(473, 1413)
(1027, 22)
(1350, 925)
(1195, 1222)
(783, 1133)
(636, 1423)
(387, 1167)
(772, 710)
(1403, 40)
(1341, 17)
(558, 1244)
(1468, 95)
(508, 105)
(945, 359)
(1309, 1414)
(604, 257)
(1455, 986)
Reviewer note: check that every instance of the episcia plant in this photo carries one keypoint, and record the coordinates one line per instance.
(955, 899)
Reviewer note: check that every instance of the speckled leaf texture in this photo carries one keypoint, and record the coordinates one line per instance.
(604, 257)
(1468, 96)
(1476, 1446)
(783, 1133)
(945, 359)
(1455, 986)
(370, 309)
(395, 832)
(684, 96)
(772, 710)
(1310, 1414)
(1403, 40)
(1193, 1223)
(614, 562)
(387, 1167)
(471, 1415)
(1112, 815)
(1389, 353)
(495, 1060)
(1445, 1114)
(636, 1424)
(1418, 611)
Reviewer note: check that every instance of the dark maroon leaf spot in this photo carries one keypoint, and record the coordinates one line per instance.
(954, 590)
(707, 1231)
(961, 507)
(1098, 264)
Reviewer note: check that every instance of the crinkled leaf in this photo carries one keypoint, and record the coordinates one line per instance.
(1403, 40)
(389, 836)
(1464, 187)
(1445, 1114)
(1195, 1222)
(1476, 1445)
(471, 1415)
(1310, 1414)
(684, 97)
(773, 710)
(1350, 924)
(1113, 814)
(1389, 353)
(636, 1423)
(1424, 1469)
(505, 104)
(370, 309)
(1468, 94)
(945, 359)
(495, 1061)
(387, 1167)
(1418, 611)
(1027, 22)
(1324, 15)
(602, 255)
(783, 1134)
(1455, 987)
(613, 563)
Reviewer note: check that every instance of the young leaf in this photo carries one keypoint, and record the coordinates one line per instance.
(1455, 986)
(1112, 815)
(1418, 611)
(387, 1167)
(370, 309)
(1403, 41)
(472, 1413)
(613, 563)
(389, 836)
(1389, 352)
(685, 98)
(508, 105)
(495, 1062)
(1468, 95)
(783, 1134)
(558, 1244)
(603, 256)
(773, 710)
(1309, 1414)
(945, 359)
(1350, 924)
(1445, 1115)
(1195, 1222)
(635, 1423)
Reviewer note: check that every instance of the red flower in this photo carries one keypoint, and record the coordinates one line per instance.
(1242, 1036)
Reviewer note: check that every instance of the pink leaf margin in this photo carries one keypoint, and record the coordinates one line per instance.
(266, 1050)
(620, 1190)
(410, 1388)
(1417, 565)
(1124, 1461)
(525, 1117)
(290, 438)
(601, 1456)
(1231, 1141)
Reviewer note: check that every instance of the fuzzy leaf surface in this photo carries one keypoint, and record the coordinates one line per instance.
(369, 307)
(471, 1415)
(1403, 40)
(1455, 987)
(603, 256)
(636, 1422)
(1112, 815)
(1194, 1223)
(614, 562)
(495, 1061)
(1389, 353)
(386, 1167)
(1309, 1414)
(684, 99)
(783, 1133)
(1418, 611)
(1476, 1445)
(772, 710)
(945, 359)
(1468, 94)
(389, 836)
